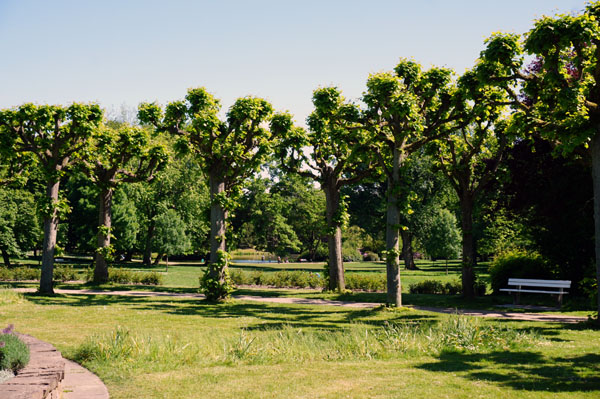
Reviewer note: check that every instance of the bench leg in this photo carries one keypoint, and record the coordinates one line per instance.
(560, 299)
(516, 298)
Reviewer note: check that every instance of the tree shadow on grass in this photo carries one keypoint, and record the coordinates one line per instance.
(262, 315)
(524, 370)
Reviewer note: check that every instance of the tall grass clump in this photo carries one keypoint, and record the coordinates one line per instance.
(123, 348)
(14, 353)
(9, 297)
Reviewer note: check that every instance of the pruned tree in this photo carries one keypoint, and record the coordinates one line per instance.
(56, 135)
(406, 109)
(120, 154)
(558, 94)
(229, 151)
(336, 156)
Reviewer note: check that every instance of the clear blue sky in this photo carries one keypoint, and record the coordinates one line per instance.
(124, 52)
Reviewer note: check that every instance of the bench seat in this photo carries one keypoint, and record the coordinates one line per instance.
(532, 291)
(544, 287)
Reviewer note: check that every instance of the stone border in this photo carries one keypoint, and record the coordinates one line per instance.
(41, 378)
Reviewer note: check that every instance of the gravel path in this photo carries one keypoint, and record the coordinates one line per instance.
(556, 318)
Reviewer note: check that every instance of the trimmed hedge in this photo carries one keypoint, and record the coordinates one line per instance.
(22, 273)
(124, 276)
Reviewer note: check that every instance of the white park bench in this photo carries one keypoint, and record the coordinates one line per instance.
(539, 285)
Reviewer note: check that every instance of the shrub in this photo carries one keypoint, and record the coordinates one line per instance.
(14, 354)
(280, 279)
(370, 257)
(366, 282)
(518, 264)
(351, 254)
(435, 287)
(19, 273)
(64, 273)
(124, 276)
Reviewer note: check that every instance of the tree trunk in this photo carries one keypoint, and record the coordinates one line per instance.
(392, 260)
(149, 236)
(158, 258)
(218, 216)
(49, 244)
(6, 258)
(407, 250)
(596, 185)
(128, 255)
(334, 237)
(468, 245)
(104, 227)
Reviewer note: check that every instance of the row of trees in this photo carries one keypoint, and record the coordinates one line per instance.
(466, 124)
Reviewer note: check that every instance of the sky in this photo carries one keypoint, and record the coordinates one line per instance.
(119, 53)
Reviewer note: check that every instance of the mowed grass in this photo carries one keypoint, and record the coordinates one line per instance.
(184, 348)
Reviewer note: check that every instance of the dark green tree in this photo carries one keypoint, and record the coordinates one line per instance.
(170, 235)
(558, 94)
(19, 225)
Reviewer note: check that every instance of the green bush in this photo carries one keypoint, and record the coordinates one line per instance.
(19, 273)
(518, 264)
(366, 281)
(449, 288)
(370, 257)
(280, 279)
(14, 354)
(351, 254)
(64, 273)
(436, 287)
(124, 276)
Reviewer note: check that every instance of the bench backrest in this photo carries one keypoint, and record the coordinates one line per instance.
(540, 283)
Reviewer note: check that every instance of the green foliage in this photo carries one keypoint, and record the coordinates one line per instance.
(353, 240)
(280, 279)
(14, 354)
(518, 264)
(365, 281)
(216, 283)
(170, 237)
(370, 257)
(443, 237)
(19, 225)
(64, 273)
(124, 276)
(125, 223)
(435, 287)
(21, 273)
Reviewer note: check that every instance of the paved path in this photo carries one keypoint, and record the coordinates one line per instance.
(556, 318)
(80, 383)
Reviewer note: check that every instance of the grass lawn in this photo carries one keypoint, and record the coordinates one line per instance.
(183, 348)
